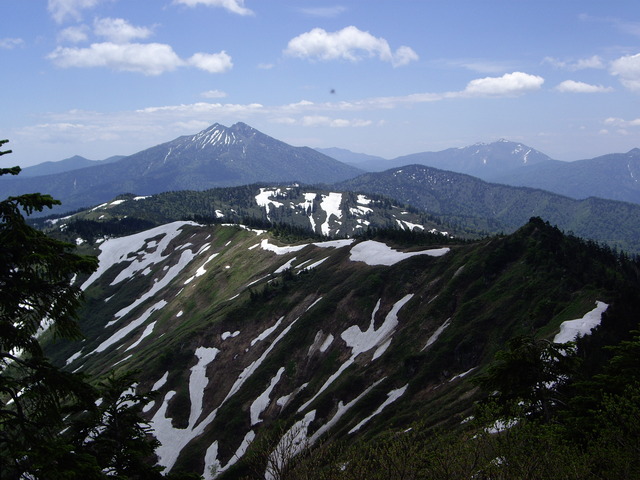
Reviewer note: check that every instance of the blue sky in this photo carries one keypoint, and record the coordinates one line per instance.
(385, 77)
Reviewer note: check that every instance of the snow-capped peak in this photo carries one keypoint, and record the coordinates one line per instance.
(215, 135)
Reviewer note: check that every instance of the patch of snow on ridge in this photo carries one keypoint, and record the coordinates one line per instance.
(226, 335)
(147, 331)
(263, 199)
(572, 329)
(267, 332)
(173, 440)
(265, 245)
(403, 224)
(286, 266)
(361, 342)
(294, 441)
(198, 380)
(342, 409)
(116, 250)
(211, 457)
(392, 396)
(377, 253)
(331, 205)
(307, 205)
(436, 334)
(170, 274)
(124, 331)
(362, 199)
(262, 402)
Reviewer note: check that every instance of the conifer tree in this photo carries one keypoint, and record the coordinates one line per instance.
(54, 424)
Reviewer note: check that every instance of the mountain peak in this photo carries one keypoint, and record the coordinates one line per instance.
(216, 134)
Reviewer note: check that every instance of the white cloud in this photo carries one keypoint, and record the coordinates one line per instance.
(213, 94)
(621, 123)
(149, 58)
(212, 62)
(581, 64)
(118, 30)
(10, 43)
(628, 69)
(572, 86)
(350, 44)
(324, 121)
(265, 66)
(205, 108)
(510, 84)
(233, 6)
(74, 34)
(326, 12)
(62, 10)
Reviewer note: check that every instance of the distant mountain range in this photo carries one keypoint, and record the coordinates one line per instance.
(466, 202)
(222, 156)
(615, 176)
(68, 164)
(216, 157)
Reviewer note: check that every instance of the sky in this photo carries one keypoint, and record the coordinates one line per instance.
(98, 78)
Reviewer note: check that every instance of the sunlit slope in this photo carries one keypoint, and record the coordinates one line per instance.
(241, 334)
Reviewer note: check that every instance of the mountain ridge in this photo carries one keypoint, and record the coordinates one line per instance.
(217, 156)
(244, 336)
(462, 199)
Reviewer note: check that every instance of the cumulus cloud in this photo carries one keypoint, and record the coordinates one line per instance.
(62, 10)
(10, 43)
(146, 58)
(510, 85)
(118, 30)
(233, 6)
(212, 62)
(627, 68)
(572, 86)
(350, 44)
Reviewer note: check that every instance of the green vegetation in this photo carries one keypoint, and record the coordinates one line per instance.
(55, 424)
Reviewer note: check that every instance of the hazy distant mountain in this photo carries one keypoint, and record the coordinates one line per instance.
(482, 160)
(68, 164)
(615, 176)
(369, 163)
(215, 157)
(468, 202)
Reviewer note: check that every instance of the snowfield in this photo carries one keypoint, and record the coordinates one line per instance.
(572, 329)
(378, 253)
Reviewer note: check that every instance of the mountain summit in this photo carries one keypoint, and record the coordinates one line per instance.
(218, 156)
(482, 160)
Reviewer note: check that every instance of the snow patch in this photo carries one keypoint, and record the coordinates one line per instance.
(361, 342)
(435, 335)
(392, 396)
(261, 403)
(572, 329)
(377, 253)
